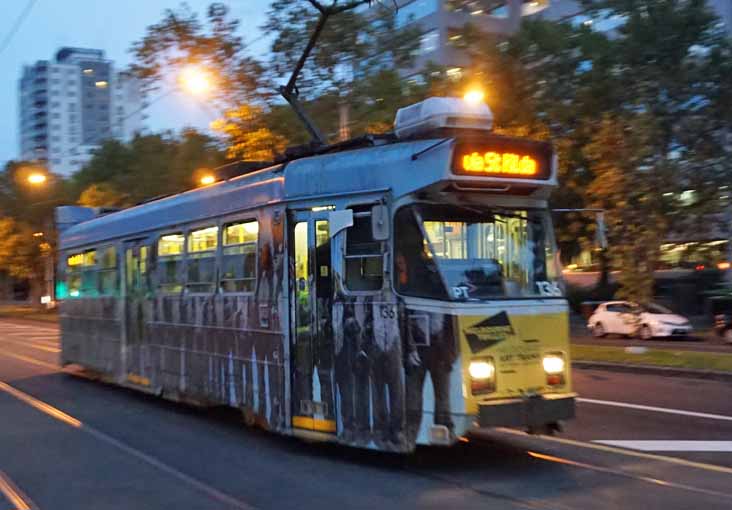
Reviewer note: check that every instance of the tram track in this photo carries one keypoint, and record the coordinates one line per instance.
(59, 415)
(530, 504)
(14, 495)
(536, 454)
(620, 473)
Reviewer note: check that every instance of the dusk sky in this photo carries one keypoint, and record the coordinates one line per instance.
(109, 26)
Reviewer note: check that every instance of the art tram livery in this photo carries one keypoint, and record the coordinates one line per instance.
(381, 294)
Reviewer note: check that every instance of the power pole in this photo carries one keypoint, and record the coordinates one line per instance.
(344, 114)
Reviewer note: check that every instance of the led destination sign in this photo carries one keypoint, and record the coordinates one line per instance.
(503, 157)
(499, 163)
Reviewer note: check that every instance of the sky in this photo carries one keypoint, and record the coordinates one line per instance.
(111, 26)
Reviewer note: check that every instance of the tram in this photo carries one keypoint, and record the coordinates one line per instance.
(383, 293)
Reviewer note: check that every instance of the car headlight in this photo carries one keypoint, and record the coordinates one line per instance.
(553, 364)
(483, 369)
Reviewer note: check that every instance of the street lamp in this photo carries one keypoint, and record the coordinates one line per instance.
(195, 80)
(207, 179)
(37, 178)
(474, 96)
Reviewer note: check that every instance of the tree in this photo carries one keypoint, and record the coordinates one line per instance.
(661, 83)
(146, 167)
(181, 39)
(626, 186)
(354, 47)
(102, 195)
(248, 138)
(34, 204)
(21, 254)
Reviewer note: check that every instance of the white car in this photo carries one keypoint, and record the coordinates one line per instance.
(645, 321)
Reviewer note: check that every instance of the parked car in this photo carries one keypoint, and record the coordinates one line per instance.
(723, 326)
(644, 321)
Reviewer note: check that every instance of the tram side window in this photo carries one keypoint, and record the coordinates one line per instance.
(89, 275)
(202, 259)
(364, 256)
(170, 258)
(73, 274)
(239, 272)
(108, 271)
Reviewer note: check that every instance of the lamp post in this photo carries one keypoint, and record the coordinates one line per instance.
(39, 177)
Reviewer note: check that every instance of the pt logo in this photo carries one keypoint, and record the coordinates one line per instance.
(489, 332)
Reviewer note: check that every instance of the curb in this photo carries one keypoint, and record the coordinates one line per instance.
(715, 375)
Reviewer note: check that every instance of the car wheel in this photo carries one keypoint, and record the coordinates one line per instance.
(645, 333)
(598, 330)
(728, 335)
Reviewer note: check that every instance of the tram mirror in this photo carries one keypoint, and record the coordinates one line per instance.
(380, 222)
(339, 220)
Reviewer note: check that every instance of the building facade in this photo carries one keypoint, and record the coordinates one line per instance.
(442, 22)
(69, 106)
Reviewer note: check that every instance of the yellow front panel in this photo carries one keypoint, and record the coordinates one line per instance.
(517, 344)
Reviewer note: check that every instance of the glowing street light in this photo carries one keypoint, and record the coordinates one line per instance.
(37, 178)
(207, 179)
(474, 96)
(195, 80)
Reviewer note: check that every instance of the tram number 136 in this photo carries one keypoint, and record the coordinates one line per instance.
(549, 288)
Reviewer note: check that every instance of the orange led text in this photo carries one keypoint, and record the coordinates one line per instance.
(500, 163)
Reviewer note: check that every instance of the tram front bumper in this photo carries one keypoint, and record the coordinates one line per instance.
(525, 412)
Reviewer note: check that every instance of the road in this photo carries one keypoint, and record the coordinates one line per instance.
(70, 443)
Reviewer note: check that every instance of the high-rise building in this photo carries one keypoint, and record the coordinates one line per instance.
(70, 105)
(442, 21)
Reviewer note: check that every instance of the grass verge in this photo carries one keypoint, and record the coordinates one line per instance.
(655, 357)
(28, 313)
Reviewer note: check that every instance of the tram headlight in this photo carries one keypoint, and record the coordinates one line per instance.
(482, 369)
(554, 367)
(482, 376)
(553, 364)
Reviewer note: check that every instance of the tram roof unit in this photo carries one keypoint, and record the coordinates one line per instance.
(311, 177)
(398, 166)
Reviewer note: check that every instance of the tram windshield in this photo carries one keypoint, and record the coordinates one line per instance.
(469, 253)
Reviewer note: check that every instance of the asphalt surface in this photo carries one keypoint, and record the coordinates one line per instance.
(70, 443)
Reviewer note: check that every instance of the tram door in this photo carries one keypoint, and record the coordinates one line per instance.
(136, 285)
(313, 350)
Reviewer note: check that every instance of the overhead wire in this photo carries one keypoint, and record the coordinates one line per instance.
(16, 26)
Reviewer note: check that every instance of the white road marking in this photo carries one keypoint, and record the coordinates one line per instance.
(57, 414)
(33, 345)
(670, 446)
(666, 410)
(30, 360)
(18, 327)
(621, 451)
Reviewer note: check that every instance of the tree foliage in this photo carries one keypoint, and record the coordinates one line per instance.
(638, 116)
(181, 39)
(149, 166)
(20, 252)
(102, 195)
(353, 44)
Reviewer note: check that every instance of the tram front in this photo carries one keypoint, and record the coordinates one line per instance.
(476, 270)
